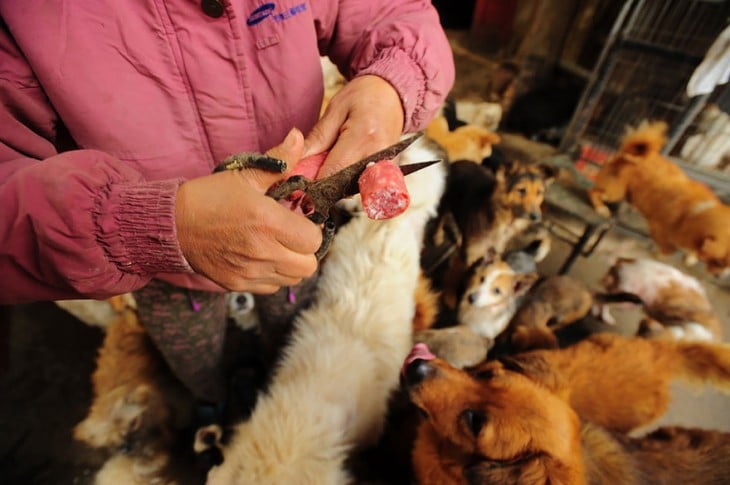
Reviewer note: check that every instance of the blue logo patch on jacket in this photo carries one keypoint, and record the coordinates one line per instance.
(266, 11)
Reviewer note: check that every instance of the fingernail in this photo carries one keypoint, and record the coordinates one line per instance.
(291, 138)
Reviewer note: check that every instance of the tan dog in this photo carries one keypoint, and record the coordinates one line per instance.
(491, 296)
(538, 418)
(467, 142)
(552, 304)
(682, 213)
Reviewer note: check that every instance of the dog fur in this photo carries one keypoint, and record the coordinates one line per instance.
(486, 210)
(135, 406)
(676, 304)
(537, 418)
(491, 296)
(682, 213)
(329, 392)
(552, 304)
(468, 142)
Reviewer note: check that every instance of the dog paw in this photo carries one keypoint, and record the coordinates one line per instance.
(690, 259)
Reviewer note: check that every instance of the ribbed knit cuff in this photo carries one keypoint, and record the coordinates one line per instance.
(136, 227)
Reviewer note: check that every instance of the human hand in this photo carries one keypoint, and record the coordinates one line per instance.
(238, 237)
(365, 116)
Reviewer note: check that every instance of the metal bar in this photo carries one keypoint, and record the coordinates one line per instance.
(590, 94)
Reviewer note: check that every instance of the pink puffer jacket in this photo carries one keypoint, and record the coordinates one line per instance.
(107, 106)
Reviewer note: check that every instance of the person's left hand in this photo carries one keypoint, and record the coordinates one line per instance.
(365, 116)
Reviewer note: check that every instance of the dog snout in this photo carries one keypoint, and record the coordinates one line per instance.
(417, 371)
(534, 216)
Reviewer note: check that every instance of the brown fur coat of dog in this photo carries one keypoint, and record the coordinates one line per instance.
(682, 213)
(558, 416)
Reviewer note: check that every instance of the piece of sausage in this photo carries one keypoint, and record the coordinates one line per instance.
(383, 190)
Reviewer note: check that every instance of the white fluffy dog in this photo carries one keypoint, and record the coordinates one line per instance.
(330, 391)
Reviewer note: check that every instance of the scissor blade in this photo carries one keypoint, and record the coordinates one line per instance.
(391, 152)
(354, 187)
(414, 167)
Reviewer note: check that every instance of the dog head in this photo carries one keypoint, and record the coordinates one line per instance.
(715, 252)
(490, 295)
(524, 188)
(126, 419)
(496, 424)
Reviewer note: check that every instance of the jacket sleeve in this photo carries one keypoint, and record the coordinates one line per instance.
(78, 223)
(401, 41)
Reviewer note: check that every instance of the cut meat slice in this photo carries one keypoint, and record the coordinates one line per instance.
(383, 190)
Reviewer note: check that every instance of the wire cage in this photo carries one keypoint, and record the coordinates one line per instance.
(642, 73)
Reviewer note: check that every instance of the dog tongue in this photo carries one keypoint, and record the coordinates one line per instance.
(419, 351)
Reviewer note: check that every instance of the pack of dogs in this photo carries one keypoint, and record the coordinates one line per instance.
(433, 338)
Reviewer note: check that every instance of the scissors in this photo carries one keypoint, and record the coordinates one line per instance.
(321, 195)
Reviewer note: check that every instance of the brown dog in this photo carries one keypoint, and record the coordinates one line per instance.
(520, 420)
(467, 142)
(552, 304)
(682, 213)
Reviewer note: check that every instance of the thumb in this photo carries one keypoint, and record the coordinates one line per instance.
(289, 150)
(324, 133)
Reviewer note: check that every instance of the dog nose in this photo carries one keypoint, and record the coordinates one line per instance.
(417, 371)
(472, 298)
(534, 216)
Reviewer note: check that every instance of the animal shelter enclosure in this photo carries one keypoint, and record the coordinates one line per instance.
(642, 73)
(535, 315)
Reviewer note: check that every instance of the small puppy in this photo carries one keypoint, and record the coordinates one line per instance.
(491, 296)
(682, 213)
(504, 423)
(670, 298)
(468, 142)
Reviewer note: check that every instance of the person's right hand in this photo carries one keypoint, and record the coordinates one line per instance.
(243, 240)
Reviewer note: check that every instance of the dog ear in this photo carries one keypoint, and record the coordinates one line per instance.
(535, 367)
(524, 281)
(489, 138)
(490, 257)
(549, 172)
(712, 247)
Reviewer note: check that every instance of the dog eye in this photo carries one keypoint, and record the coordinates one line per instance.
(497, 291)
(522, 191)
(482, 279)
(474, 421)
